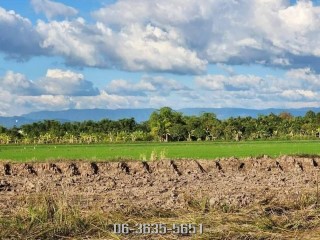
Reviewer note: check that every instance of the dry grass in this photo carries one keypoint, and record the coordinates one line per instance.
(47, 216)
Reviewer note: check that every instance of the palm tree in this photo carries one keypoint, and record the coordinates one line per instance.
(5, 138)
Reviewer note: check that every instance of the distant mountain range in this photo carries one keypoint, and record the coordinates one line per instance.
(139, 114)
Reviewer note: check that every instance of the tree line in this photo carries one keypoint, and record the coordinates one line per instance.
(166, 125)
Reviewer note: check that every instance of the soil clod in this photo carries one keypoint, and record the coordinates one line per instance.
(279, 166)
(30, 169)
(218, 166)
(74, 169)
(4, 186)
(7, 169)
(299, 165)
(55, 168)
(146, 167)
(200, 167)
(125, 168)
(241, 166)
(95, 168)
(175, 168)
(314, 163)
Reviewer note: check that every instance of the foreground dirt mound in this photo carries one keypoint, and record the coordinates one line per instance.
(164, 184)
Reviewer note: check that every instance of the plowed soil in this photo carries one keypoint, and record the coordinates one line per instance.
(161, 184)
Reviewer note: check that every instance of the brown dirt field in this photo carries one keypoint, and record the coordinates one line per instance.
(165, 185)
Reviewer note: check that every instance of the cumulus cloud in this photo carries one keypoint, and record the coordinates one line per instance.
(42, 102)
(235, 32)
(251, 100)
(175, 36)
(18, 94)
(15, 104)
(305, 77)
(134, 48)
(58, 90)
(125, 87)
(56, 82)
(73, 40)
(302, 84)
(53, 9)
(231, 83)
(227, 68)
(108, 101)
(172, 35)
(300, 94)
(18, 37)
(59, 82)
(6, 103)
(158, 84)
(17, 83)
(297, 88)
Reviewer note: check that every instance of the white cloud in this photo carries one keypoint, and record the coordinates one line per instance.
(125, 87)
(17, 95)
(59, 82)
(156, 49)
(248, 99)
(134, 48)
(305, 77)
(73, 40)
(107, 101)
(18, 83)
(172, 35)
(227, 68)
(297, 86)
(244, 31)
(231, 83)
(168, 36)
(53, 9)
(14, 104)
(300, 94)
(147, 84)
(18, 38)
(56, 82)
(281, 61)
(43, 102)
(7, 107)
(58, 90)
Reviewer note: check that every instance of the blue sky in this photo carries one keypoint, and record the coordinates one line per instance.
(256, 54)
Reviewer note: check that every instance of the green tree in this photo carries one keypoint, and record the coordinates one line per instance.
(208, 121)
(162, 120)
(178, 132)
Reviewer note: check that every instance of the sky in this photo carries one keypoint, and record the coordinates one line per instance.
(85, 54)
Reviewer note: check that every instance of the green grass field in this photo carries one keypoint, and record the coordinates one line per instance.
(147, 151)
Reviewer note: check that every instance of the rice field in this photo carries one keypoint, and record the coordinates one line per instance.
(152, 151)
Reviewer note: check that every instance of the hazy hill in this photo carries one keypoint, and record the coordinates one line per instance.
(92, 114)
